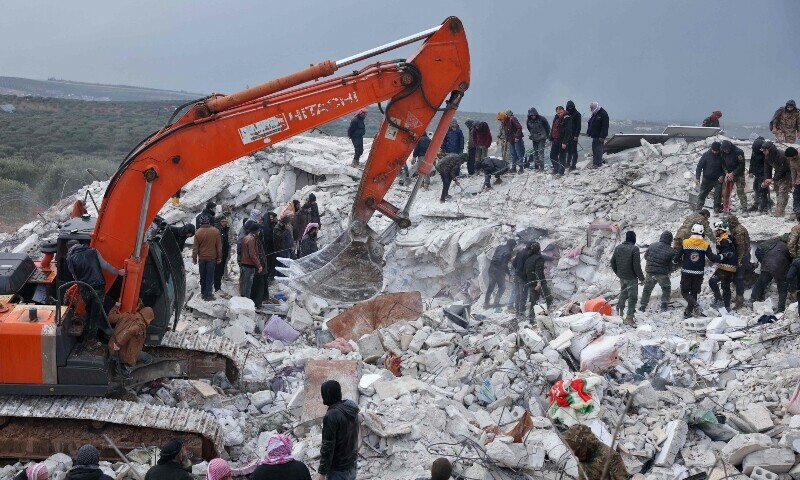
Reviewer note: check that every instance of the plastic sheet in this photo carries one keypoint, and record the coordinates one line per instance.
(276, 328)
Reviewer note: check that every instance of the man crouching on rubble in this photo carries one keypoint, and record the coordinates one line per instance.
(692, 255)
(126, 344)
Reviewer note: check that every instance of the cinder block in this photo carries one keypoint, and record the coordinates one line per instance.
(775, 460)
(761, 474)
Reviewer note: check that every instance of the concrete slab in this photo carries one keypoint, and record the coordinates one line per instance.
(758, 416)
(317, 372)
(676, 438)
(382, 311)
(742, 445)
(775, 460)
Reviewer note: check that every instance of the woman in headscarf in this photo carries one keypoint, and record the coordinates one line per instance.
(308, 244)
(37, 471)
(218, 469)
(279, 464)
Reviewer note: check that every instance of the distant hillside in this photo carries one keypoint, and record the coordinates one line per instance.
(56, 88)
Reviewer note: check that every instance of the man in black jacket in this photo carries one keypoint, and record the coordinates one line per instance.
(173, 463)
(87, 465)
(659, 256)
(498, 271)
(539, 131)
(733, 164)
(775, 262)
(448, 168)
(598, 130)
(340, 435)
(270, 221)
(535, 279)
(564, 140)
(710, 168)
(221, 224)
(493, 166)
(572, 148)
(209, 212)
(518, 264)
(627, 265)
(356, 133)
(757, 172)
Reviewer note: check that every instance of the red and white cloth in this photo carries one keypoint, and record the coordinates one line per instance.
(218, 469)
(279, 450)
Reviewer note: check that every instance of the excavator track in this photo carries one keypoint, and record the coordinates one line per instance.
(206, 354)
(37, 427)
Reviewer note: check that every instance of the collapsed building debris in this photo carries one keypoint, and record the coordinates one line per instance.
(435, 374)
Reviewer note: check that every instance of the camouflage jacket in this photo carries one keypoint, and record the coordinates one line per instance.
(794, 241)
(686, 230)
(741, 238)
(783, 121)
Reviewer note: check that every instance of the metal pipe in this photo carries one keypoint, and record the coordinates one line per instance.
(387, 47)
(142, 215)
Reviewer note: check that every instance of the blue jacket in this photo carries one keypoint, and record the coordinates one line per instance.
(453, 141)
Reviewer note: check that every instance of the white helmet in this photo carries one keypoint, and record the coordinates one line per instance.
(720, 225)
(697, 229)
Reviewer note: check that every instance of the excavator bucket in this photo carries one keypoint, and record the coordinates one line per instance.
(348, 270)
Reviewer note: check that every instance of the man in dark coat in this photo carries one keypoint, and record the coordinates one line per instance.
(757, 172)
(182, 233)
(209, 213)
(454, 139)
(518, 269)
(340, 434)
(777, 171)
(710, 169)
(493, 166)
(564, 140)
(416, 157)
(627, 265)
(733, 164)
(535, 280)
(282, 239)
(482, 137)
(270, 221)
(448, 168)
(713, 119)
(173, 463)
(86, 265)
(598, 130)
(539, 131)
(498, 271)
(87, 465)
(659, 256)
(555, 147)
(221, 224)
(775, 262)
(355, 132)
(572, 149)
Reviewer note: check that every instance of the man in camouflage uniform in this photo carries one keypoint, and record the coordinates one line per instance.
(733, 164)
(685, 231)
(777, 172)
(741, 239)
(593, 455)
(785, 124)
(794, 239)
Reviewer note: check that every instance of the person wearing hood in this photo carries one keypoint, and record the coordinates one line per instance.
(279, 463)
(340, 434)
(36, 471)
(785, 124)
(420, 150)
(777, 172)
(454, 139)
(593, 455)
(209, 213)
(173, 463)
(308, 244)
(512, 132)
(221, 224)
(713, 119)
(521, 286)
(756, 172)
(182, 233)
(283, 239)
(710, 168)
(562, 142)
(498, 271)
(355, 132)
(598, 130)
(775, 261)
(207, 254)
(741, 240)
(572, 148)
(659, 256)
(87, 465)
(251, 260)
(86, 265)
(535, 279)
(733, 164)
(692, 256)
(470, 123)
(627, 265)
(539, 131)
(126, 344)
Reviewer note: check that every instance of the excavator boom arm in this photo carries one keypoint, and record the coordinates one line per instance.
(224, 128)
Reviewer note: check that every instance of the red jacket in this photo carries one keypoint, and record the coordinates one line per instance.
(481, 135)
(512, 128)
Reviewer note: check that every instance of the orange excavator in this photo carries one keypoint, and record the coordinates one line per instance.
(54, 394)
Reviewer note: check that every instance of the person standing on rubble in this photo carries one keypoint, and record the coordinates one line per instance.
(268, 227)
(741, 240)
(173, 463)
(710, 168)
(756, 172)
(279, 463)
(181, 234)
(340, 435)
(539, 131)
(308, 244)
(793, 280)
(221, 224)
(498, 271)
(518, 269)
(727, 266)
(775, 261)
(209, 212)
(692, 256)
(794, 167)
(283, 240)
(552, 141)
(733, 164)
(512, 131)
(470, 146)
(775, 160)
(627, 265)
(685, 230)
(448, 168)
(535, 279)
(563, 141)
(454, 139)
(483, 140)
(572, 149)
(251, 261)
(713, 119)
(207, 254)
(659, 256)
(785, 124)
(594, 454)
(597, 129)
(356, 132)
(299, 224)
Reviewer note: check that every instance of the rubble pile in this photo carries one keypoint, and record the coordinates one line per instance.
(436, 374)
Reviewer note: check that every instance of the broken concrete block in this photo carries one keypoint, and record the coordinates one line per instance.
(241, 306)
(758, 416)
(418, 340)
(299, 318)
(646, 396)
(382, 311)
(370, 347)
(563, 341)
(436, 359)
(762, 474)
(744, 444)
(515, 455)
(262, 398)
(775, 460)
(439, 339)
(676, 438)
(532, 340)
(317, 372)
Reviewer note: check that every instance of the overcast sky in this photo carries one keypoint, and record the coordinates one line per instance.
(641, 59)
